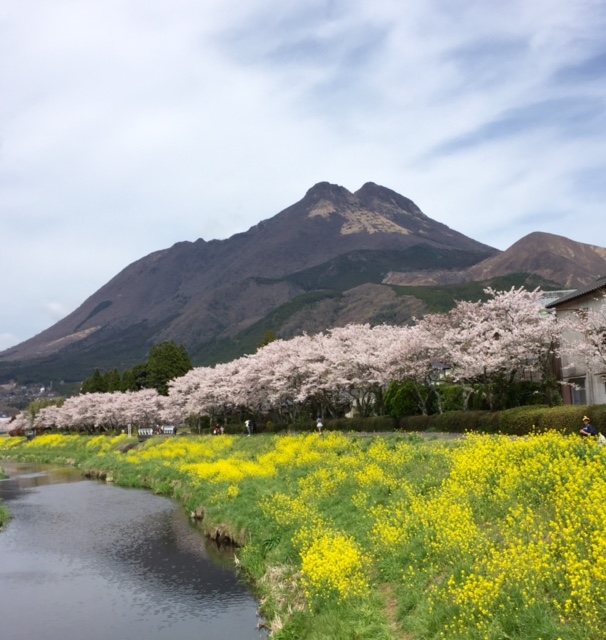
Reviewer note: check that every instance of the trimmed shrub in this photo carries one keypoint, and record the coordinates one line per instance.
(451, 422)
(374, 424)
(517, 421)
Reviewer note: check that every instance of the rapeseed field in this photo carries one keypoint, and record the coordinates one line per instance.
(485, 538)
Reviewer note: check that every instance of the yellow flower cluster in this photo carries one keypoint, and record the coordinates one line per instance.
(526, 517)
(104, 443)
(227, 470)
(9, 443)
(182, 449)
(488, 528)
(305, 451)
(332, 563)
(51, 440)
(322, 483)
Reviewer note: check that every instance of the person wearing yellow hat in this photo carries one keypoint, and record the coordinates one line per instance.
(588, 429)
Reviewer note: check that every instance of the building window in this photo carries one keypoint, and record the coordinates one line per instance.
(578, 391)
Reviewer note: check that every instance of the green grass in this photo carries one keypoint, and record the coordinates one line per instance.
(411, 506)
(5, 515)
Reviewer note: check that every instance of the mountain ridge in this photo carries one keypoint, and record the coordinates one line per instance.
(350, 244)
(569, 263)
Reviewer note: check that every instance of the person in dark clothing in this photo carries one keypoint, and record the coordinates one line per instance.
(588, 430)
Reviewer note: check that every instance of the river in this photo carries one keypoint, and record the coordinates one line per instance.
(84, 560)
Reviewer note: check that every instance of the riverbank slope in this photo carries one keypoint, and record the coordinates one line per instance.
(386, 538)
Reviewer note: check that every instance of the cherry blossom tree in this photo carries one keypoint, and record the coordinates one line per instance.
(479, 342)
(496, 340)
(417, 354)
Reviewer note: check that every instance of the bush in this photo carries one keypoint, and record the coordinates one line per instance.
(517, 421)
(374, 424)
(450, 422)
(569, 418)
(401, 399)
(359, 424)
(451, 397)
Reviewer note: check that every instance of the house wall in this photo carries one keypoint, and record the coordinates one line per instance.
(593, 382)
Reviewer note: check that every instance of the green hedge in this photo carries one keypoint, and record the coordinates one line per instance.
(370, 425)
(374, 424)
(518, 421)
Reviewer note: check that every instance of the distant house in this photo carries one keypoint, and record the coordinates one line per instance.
(586, 387)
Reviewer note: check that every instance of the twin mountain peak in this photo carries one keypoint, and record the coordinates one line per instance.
(332, 258)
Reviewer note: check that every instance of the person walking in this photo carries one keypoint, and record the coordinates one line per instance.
(319, 425)
(248, 424)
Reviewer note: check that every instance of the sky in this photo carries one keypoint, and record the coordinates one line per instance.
(129, 125)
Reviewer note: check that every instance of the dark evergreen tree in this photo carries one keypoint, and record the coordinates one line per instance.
(140, 375)
(95, 384)
(113, 381)
(166, 361)
(268, 336)
(128, 381)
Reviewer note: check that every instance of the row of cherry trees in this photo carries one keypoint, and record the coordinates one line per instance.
(477, 343)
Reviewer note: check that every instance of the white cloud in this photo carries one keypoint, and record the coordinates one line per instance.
(56, 310)
(8, 340)
(128, 126)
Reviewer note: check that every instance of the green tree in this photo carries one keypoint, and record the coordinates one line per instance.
(140, 374)
(402, 399)
(36, 405)
(268, 336)
(95, 384)
(113, 381)
(128, 381)
(166, 361)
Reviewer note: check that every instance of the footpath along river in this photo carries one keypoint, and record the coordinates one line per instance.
(85, 560)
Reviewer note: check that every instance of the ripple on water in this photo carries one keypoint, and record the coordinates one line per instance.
(85, 559)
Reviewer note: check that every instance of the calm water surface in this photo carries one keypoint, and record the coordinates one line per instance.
(84, 560)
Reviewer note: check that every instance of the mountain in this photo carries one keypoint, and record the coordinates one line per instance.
(333, 257)
(557, 259)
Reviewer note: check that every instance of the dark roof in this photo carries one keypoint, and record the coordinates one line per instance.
(547, 297)
(600, 283)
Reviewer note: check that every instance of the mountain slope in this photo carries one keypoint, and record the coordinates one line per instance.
(564, 262)
(367, 303)
(196, 292)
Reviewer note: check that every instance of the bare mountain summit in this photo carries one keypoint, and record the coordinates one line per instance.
(196, 292)
(319, 263)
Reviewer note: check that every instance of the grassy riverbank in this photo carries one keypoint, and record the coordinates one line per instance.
(5, 516)
(4, 512)
(389, 537)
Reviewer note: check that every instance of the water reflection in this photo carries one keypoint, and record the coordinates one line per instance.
(85, 559)
(26, 476)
